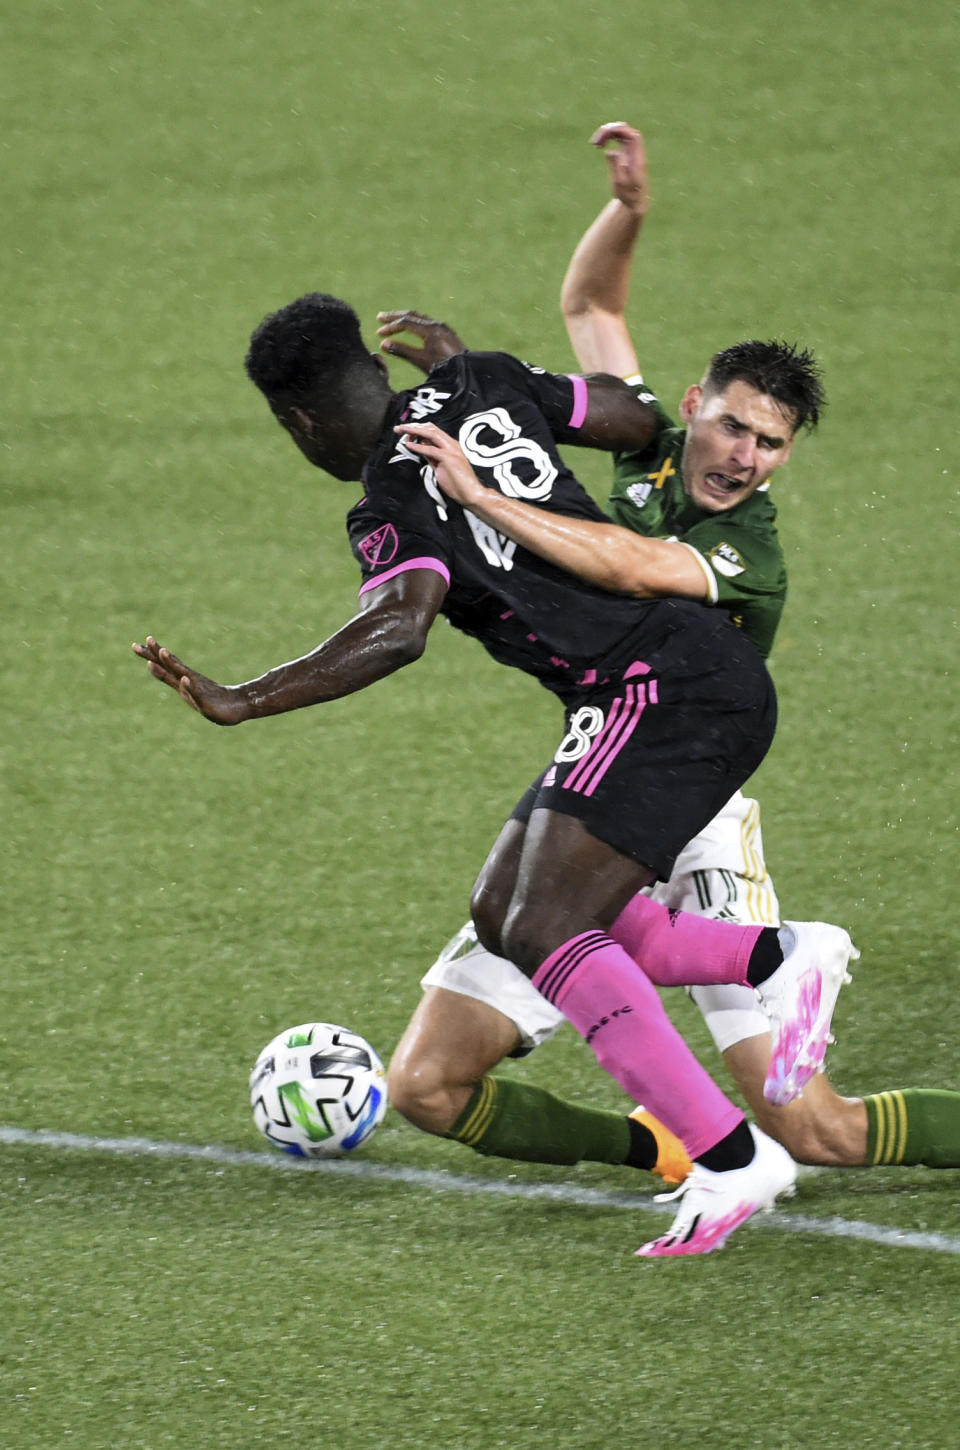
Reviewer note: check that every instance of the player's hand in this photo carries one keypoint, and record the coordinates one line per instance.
(437, 340)
(627, 161)
(454, 474)
(223, 704)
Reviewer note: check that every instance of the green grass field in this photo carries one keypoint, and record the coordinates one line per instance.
(175, 894)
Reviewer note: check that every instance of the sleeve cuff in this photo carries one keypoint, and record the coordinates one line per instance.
(425, 563)
(713, 592)
(579, 410)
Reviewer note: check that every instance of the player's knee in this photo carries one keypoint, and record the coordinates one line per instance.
(422, 1092)
(537, 925)
(526, 937)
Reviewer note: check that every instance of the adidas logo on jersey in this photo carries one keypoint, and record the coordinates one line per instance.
(638, 493)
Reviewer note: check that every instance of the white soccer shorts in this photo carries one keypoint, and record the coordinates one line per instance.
(721, 874)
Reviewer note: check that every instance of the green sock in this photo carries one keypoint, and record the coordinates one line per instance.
(914, 1125)
(509, 1119)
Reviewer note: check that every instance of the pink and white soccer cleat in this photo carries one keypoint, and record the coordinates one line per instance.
(799, 998)
(714, 1204)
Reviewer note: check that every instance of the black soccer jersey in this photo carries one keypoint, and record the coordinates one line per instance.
(384, 549)
(508, 418)
(669, 708)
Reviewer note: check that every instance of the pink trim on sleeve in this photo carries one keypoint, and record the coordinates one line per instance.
(425, 563)
(579, 400)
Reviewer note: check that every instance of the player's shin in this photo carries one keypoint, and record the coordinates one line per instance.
(618, 1013)
(509, 1119)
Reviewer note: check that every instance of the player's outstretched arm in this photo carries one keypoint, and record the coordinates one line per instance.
(605, 555)
(593, 297)
(437, 340)
(389, 632)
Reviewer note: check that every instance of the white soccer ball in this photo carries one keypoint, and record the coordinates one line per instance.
(318, 1091)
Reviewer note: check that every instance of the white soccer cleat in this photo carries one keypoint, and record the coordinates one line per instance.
(799, 998)
(714, 1204)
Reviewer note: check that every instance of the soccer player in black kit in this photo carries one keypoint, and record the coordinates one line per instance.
(669, 709)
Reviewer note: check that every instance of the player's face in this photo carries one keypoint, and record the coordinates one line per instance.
(735, 440)
(326, 448)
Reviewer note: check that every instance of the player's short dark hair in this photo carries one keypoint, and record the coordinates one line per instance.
(304, 350)
(788, 374)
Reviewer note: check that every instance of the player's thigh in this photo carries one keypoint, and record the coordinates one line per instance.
(652, 755)
(569, 881)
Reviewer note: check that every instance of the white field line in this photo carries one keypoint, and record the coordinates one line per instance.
(436, 1181)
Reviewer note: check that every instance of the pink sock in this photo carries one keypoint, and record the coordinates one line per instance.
(617, 1012)
(677, 949)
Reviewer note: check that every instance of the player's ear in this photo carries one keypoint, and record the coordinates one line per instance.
(690, 402)
(381, 363)
(306, 424)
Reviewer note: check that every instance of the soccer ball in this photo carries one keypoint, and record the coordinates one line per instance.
(318, 1091)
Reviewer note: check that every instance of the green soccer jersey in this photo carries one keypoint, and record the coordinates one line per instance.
(738, 550)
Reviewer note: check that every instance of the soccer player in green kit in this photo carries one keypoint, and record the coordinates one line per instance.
(696, 521)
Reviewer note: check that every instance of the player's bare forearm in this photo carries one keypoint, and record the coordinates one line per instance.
(385, 636)
(349, 661)
(598, 275)
(593, 297)
(364, 651)
(604, 554)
